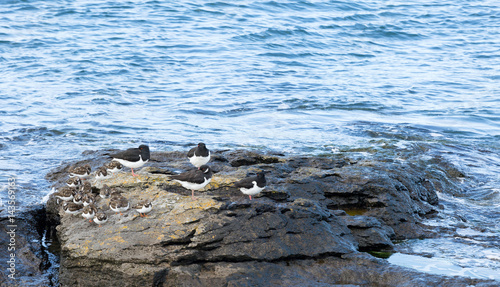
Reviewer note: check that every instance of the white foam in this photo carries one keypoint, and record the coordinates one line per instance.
(47, 196)
(443, 266)
(436, 135)
(472, 232)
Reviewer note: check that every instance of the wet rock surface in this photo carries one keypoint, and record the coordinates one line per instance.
(349, 270)
(24, 252)
(309, 226)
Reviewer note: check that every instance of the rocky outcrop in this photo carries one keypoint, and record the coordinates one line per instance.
(309, 225)
(25, 239)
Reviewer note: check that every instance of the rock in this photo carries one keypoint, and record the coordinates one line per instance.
(243, 158)
(307, 227)
(350, 270)
(180, 231)
(391, 192)
(369, 232)
(23, 245)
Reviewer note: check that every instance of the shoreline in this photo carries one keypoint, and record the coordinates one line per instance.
(351, 204)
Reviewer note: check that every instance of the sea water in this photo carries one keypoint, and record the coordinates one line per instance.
(376, 79)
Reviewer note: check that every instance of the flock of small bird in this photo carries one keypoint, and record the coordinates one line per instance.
(78, 198)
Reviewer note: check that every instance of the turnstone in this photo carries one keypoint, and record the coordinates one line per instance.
(115, 193)
(133, 157)
(72, 208)
(88, 198)
(89, 212)
(101, 173)
(252, 185)
(78, 198)
(119, 204)
(143, 207)
(195, 179)
(80, 171)
(105, 191)
(86, 187)
(113, 166)
(199, 155)
(100, 218)
(65, 193)
(74, 181)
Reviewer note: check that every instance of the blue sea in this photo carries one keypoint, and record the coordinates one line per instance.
(368, 79)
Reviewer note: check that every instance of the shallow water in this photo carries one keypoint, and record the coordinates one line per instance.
(381, 79)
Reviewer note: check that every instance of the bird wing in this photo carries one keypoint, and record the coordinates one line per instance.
(132, 154)
(246, 182)
(191, 152)
(195, 176)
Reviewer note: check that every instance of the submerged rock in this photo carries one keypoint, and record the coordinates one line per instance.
(317, 211)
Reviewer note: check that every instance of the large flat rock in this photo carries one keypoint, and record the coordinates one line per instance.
(318, 209)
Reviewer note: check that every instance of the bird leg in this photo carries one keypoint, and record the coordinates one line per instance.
(250, 197)
(192, 195)
(133, 174)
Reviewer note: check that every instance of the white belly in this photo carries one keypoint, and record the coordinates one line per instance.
(144, 209)
(253, 190)
(88, 215)
(131, 164)
(82, 176)
(199, 160)
(72, 211)
(100, 176)
(113, 170)
(195, 186)
(100, 221)
(120, 209)
(65, 198)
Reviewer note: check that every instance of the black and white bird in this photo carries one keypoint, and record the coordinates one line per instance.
(105, 191)
(199, 155)
(82, 172)
(133, 157)
(88, 198)
(74, 181)
(78, 198)
(65, 193)
(86, 187)
(195, 179)
(119, 204)
(101, 173)
(100, 218)
(113, 166)
(89, 211)
(252, 185)
(143, 207)
(115, 193)
(72, 208)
